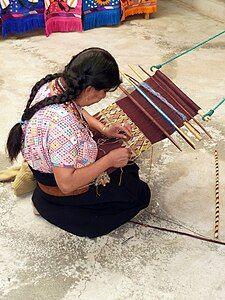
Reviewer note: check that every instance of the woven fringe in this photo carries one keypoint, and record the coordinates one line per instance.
(104, 18)
(138, 10)
(25, 24)
(59, 25)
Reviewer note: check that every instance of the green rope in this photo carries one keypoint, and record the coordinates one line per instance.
(211, 111)
(186, 51)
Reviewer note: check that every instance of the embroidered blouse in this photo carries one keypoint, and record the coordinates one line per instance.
(55, 136)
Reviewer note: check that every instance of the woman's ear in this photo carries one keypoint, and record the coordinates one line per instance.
(89, 89)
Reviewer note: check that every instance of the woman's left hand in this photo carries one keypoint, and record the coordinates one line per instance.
(121, 131)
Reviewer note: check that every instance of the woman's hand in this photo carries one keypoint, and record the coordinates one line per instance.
(118, 158)
(121, 131)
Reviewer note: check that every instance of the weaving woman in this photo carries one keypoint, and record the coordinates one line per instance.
(55, 138)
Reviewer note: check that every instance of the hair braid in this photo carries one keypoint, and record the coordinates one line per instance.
(38, 85)
(57, 99)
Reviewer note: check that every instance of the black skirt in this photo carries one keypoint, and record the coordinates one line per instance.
(91, 214)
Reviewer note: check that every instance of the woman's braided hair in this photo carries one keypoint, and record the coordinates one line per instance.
(92, 67)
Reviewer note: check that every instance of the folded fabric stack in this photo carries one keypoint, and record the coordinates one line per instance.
(20, 16)
(133, 7)
(98, 13)
(63, 16)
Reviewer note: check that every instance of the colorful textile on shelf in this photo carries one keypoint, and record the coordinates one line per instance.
(63, 16)
(133, 7)
(98, 13)
(20, 16)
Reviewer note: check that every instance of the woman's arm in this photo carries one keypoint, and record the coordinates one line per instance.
(69, 179)
(93, 123)
(115, 130)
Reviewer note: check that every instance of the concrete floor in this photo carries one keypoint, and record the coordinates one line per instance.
(211, 8)
(41, 262)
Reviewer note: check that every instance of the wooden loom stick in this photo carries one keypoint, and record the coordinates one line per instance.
(163, 114)
(217, 209)
(181, 115)
(184, 109)
(190, 127)
(150, 117)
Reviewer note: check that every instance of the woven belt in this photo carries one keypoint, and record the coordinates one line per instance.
(55, 191)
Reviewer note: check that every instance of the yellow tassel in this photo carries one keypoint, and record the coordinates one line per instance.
(9, 174)
(24, 181)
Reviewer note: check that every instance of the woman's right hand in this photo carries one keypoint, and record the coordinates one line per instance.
(119, 158)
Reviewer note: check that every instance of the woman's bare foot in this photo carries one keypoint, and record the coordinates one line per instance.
(35, 211)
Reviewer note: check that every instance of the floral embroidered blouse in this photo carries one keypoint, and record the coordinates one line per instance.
(55, 136)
